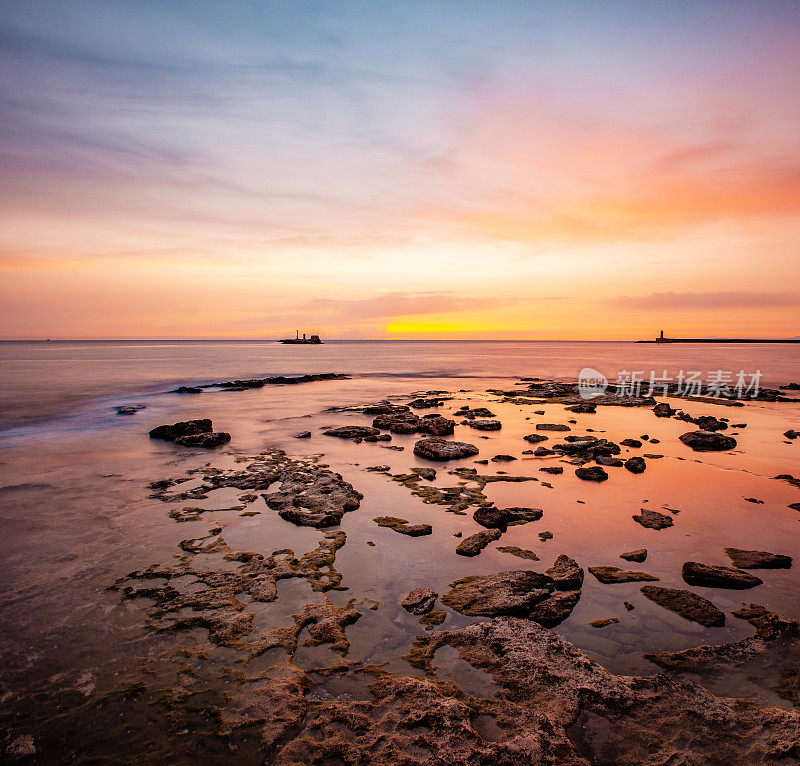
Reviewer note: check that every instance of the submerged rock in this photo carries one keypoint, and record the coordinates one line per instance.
(555, 609)
(687, 604)
(653, 519)
(715, 576)
(442, 449)
(707, 441)
(521, 553)
(613, 575)
(503, 593)
(130, 409)
(187, 390)
(474, 544)
(604, 622)
(402, 526)
(758, 559)
(419, 601)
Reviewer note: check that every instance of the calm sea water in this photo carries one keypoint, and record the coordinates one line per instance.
(40, 381)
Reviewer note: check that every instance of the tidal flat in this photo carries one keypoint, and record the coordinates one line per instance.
(370, 572)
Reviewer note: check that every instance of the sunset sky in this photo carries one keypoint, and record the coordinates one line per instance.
(573, 170)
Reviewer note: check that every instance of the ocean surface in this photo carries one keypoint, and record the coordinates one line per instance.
(81, 668)
(43, 381)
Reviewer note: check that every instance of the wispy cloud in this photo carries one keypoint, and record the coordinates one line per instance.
(705, 301)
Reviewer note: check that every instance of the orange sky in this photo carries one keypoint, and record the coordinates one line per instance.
(531, 173)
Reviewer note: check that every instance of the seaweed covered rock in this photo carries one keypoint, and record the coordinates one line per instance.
(688, 605)
(715, 576)
(474, 544)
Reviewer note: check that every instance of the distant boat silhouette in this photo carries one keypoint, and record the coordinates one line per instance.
(313, 340)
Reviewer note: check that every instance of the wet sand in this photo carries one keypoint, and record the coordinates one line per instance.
(150, 668)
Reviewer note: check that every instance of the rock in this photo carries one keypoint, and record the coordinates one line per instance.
(500, 518)
(555, 609)
(436, 425)
(758, 559)
(535, 438)
(521, 553)
(627, 604)
(441, 449)
(687, 604)
(653, 519)
(474, 544)
(402, 526)
(768, 625)
(663, 410)
(130, 409)
(593, 473)
(207, 440)
(503, 458)
(187, 390)
(553, 469)
(419, 601)
(184, 428)
(503, 593)
(614, 575)
(403, 422)
(604, 622)
(432, 619)
(303, 435)
(543, 452)
(791, 434)
(585, 407)
(485, 425)
(351, 432)
(566, 574)
(552, 427)
(707, 441)
(715, 576)
(636, 464)
(631, 443)
(608, 461)
(639, 555)
(794, 506)
(787, 477)
(425, 473)
(543, 536)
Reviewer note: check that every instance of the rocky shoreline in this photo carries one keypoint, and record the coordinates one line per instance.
(529, 695)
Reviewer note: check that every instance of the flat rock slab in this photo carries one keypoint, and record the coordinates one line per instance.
(688, 605)
(402, 526)
(500, 518)
(419, 601)
(521, 553)
(745, 559)
(503, 593)
(535, 438)
(592, 473)
(639, 555)
(474, 544)
(613, 575)
(707, 441)
(566, 573)
(552, 427)
(485, 425)
(653, 519)
(442, 449)
(352, 432)
(715, 576)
